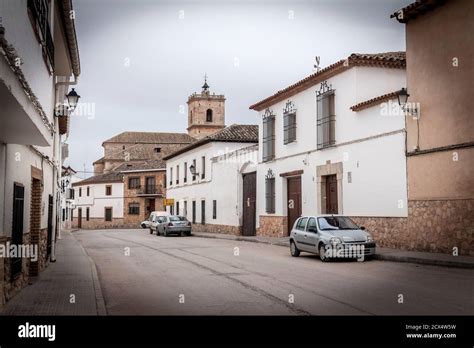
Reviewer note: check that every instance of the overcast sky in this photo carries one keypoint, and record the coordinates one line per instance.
(141, 59)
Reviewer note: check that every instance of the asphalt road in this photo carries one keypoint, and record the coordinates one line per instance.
(142, 274)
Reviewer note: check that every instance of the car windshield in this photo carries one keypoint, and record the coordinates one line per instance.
(336, 223)
(177, 218)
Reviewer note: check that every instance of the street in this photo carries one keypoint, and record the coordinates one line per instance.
(142, 274)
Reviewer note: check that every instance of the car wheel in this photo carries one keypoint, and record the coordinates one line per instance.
(151, 231)
(188, 234)
(295, 252)
(183, 234)
(322, 253)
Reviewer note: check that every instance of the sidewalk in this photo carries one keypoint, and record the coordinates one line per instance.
(73, 273)
(386, 254)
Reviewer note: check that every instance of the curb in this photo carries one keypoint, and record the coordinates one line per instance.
(99, 296)
(383, 257)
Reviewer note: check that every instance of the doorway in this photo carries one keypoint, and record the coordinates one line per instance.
(331, 194)
(294, 201)
(17, 226)
(249, 198)
(79, 218)
(50, 224)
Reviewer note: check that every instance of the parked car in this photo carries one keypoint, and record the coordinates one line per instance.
(173, 224)
(145, 224)
(331, 236)
(153, 219)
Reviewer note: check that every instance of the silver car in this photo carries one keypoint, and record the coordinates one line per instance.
(331, 236)
(173, 224)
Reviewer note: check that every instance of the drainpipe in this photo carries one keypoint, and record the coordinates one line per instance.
(56, 172)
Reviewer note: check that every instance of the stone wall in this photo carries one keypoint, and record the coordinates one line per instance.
(273, 226)
(215, 228)
(10, 287)
(98, 223)
(40, 238)
(432, 226)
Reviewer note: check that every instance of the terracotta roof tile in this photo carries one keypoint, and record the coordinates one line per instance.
(416, 9)
(387, 60)
(151, 138)
(101, 178)
(243, 133)
(141, 165)
(374, 101)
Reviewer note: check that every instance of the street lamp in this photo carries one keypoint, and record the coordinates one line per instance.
(402, 97)
(192, 169)
(72, 99)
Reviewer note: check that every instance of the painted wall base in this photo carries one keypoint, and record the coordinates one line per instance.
(215, 228)
(273, 226)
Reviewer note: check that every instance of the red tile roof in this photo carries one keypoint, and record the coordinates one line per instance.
(374, 101)
(386, 60)
(416, 9)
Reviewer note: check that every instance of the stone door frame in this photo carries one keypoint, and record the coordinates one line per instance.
(321, 172)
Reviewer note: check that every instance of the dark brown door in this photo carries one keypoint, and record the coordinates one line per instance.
(150, 206)
(79, 218)
(17, 226)
(331, 194)
(249, 207)
(50, 225)
(294, 200)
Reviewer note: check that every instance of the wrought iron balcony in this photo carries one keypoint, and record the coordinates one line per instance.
(152, 190)
(39, 11)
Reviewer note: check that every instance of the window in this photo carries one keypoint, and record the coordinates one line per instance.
(39, 11)
(134, 182)
(300, 225)
(194, 212)
(157, 149)
(177, 175)
(268, 136)
(108, 190)
(185, 178)
(203, 212)
(72, 214)
(171, 209)
(171, 176)
(88, 191)
(80, 191)
(203, 169)
(194, 165)
(214, 209)
(270, 192)
(63, 215)
(209, 115)
(177, 208)
(289, 128)
(71, 193)
(108, 214)
(134, 208)
(67, 213)
(87, 213)
(326, 117)
(185, 208)
(311, 225)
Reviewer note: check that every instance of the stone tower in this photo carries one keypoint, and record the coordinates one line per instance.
(206, 112)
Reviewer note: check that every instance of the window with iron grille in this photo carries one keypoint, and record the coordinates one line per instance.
(134, 182)
(185, 175)
(177, 174)
(203, 169)
(203, 212)
(39, 13)
(326, 117)
(171, 176)
(108, 190)
(177, 208)
(270, 192)
(87, 213)
(194, 165)
(268, 136)
(194, 212)
(185, 208)
(214, 209)
(80, 192)
(134, 208)
(88, 191)
(289, 122)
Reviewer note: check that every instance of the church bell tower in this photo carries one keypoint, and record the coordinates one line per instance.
(206, 112)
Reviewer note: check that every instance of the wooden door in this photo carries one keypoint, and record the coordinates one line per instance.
(17, 226)
(331, 195)
(249, 209)
(79, 218)
(50, 225)
(294, 200)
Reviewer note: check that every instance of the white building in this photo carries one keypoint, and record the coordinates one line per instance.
(211, 179)
(98, 202)
(38, 58)
(334, 142)
(69, 176)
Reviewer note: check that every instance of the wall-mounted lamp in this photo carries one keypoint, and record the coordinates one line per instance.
(72, 99)
(403, 102)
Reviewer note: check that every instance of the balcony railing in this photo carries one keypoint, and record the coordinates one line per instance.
(150, 190)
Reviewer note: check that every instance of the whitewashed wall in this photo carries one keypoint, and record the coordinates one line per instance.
(223, 182)
(378, 165)
(97, 200)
